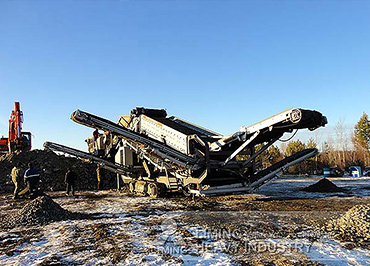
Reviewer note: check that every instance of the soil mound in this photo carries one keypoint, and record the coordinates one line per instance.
(353, 226)
(52, 168)
(324, 185)
(41, 210)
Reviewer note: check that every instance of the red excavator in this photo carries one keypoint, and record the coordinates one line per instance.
(17, 140)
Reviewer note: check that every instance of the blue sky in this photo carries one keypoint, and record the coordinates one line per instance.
(220, 64)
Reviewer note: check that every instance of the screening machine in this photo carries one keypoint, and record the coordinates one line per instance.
(155, 154)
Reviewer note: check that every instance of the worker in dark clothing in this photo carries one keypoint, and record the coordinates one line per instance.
(32, 178)
(70, 181)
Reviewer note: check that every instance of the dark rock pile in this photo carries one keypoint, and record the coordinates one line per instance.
(52, 168)
(353, 226)
(40, 211)
(324, 185)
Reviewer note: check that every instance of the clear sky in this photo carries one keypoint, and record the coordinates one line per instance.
(220, 64)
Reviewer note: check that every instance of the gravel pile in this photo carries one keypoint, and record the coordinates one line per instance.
(353, 226)
(53, 168)
(324, 185)
(40, 211)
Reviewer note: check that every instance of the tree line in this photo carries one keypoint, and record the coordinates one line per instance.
(344, 152)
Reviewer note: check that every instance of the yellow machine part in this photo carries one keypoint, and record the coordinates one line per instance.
(24, 191)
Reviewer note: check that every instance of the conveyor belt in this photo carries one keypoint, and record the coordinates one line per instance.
(162, 150)
(297, 157)
(114, 167)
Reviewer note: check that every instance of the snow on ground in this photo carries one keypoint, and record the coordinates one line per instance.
(143, 231)
(290, 187)
(327, 251)
(73, 242)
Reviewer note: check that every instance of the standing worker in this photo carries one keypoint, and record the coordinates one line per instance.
(32, 178)
(70, 180)
(98, 175)
(95, 134)
(16, 174)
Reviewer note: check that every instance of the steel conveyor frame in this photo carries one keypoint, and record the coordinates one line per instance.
(160, 149)
(274, 173)
(114, 167)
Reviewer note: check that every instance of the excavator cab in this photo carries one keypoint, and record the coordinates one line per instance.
(3, 145)
(26, 141)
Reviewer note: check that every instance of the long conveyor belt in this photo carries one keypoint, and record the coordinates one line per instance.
(263, 177)
(160, 149)
(114, 167)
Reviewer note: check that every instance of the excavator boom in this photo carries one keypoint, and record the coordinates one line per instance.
(17, 139)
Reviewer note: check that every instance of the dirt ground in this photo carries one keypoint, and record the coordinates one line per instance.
(278, 225)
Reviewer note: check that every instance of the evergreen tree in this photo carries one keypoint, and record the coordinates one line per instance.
(361, 136)
(294, 147)
(275, 154)
(262, 159)
(311, 163)
(361, 139)
(311, 144)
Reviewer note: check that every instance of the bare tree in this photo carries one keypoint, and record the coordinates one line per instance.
(341, 144)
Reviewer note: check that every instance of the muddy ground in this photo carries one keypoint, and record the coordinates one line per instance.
(278, 225)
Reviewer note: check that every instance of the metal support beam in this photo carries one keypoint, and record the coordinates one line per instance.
(247, 162)
(113, 167)
(271, 175)
(241, 147)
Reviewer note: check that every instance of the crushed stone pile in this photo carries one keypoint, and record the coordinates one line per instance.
(323, 185)
(52, 168)
(353, 226)
(40, 211)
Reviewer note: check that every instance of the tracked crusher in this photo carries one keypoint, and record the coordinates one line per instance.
(154, 154)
